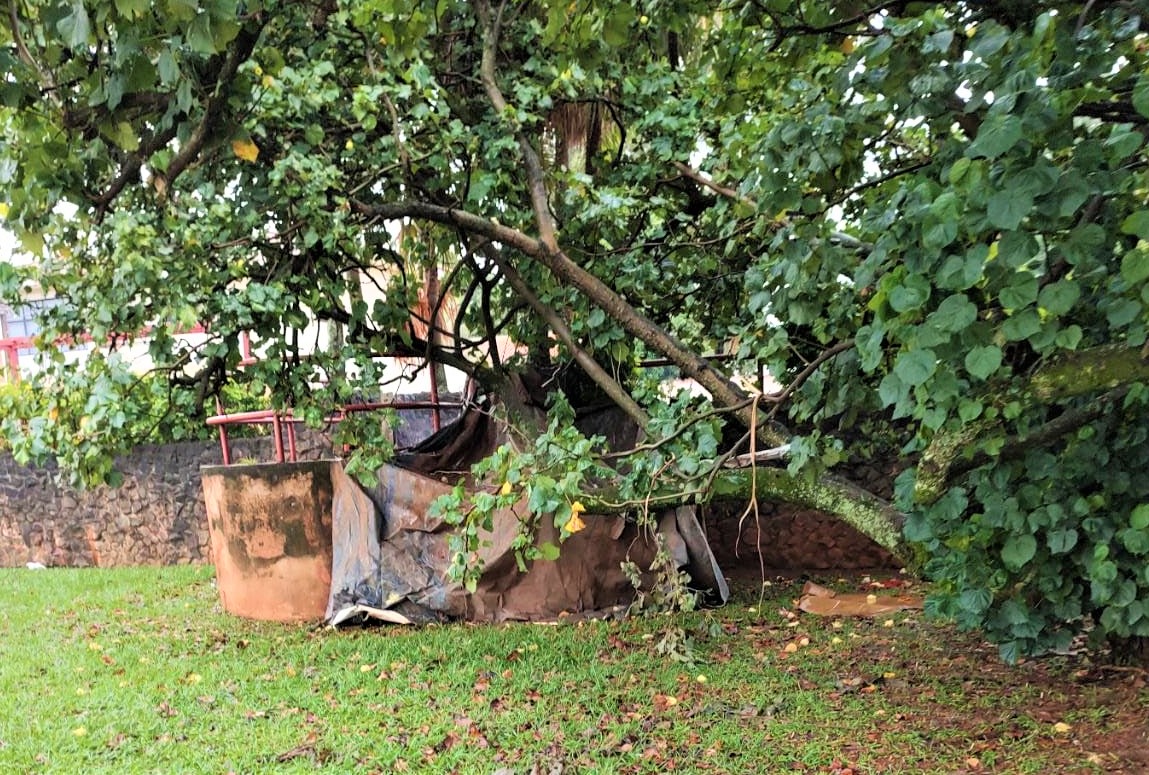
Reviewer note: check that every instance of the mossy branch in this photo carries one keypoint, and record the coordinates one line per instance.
(862, 510)
(1111, 368)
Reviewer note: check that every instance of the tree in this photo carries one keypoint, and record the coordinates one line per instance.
(928, 221)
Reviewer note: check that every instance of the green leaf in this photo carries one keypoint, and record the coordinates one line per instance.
(616, 28)
(1020, 293)
(1122, 312)
(313, 134)
(1062, 541)
(1008, 208)
(1021, 326)
(955, 313)
(131, 9)
(1139, 518)
(199, 35)
(1059, 297)
(958, 170)
(1068, 338)
(75, 27)
(981, 362)
(1141, 95)
(1018, 550)
(1134, 540)
(548, 551)
(1135, 266)
(168, 69)
(997, 134)
(916, 366)
(910, 295)
(961, 272)
(1137, 223)
(891, 390)
(869, 343)
(123, 135)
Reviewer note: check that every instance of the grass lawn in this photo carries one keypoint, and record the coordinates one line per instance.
(138, 670)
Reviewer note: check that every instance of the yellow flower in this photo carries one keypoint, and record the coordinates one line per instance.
(575, 523)
(505, 489)
(578, 508)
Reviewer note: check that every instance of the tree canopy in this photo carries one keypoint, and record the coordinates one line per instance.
(929, 222)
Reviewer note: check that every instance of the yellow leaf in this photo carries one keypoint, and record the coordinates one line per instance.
(245, 149)
(1061, 727)
(79, 731)
(505, 489)
(578, 508)
(848, 45)
(3, 209)
(574, 524)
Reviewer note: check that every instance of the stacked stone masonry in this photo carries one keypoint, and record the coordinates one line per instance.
(156, 517)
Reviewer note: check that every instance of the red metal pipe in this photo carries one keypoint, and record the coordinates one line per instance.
(224, 445)
(277, 431)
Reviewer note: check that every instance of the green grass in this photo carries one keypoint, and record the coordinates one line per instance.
(138, 670)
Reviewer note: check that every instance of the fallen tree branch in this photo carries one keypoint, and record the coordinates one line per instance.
(634, 322)
(868, 514)
(838, 237)
(589, 365)
(1108, 368)
(945, 461)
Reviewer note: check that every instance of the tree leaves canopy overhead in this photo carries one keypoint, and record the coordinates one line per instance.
(928, 221)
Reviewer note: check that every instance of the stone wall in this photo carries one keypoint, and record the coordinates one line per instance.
(156, 517)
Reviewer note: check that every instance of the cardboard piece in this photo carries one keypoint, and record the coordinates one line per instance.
(820, 601)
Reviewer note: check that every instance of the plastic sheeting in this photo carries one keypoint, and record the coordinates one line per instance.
(391, 558)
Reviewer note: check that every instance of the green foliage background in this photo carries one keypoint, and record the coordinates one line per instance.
(928, 221)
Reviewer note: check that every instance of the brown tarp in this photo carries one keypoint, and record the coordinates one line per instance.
(391, 558)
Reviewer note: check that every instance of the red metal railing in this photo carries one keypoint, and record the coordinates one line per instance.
(11, 349)
(283, 422)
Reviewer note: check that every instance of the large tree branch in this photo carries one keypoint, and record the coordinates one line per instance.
(589, 365)
(837, 237)
(208, 125)
(862, 510)
(533, 166)
(690, 364)
(1089, 371)
(1108, 369)
(24, 55)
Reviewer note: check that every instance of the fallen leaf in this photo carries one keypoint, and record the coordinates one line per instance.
(1062, 728)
